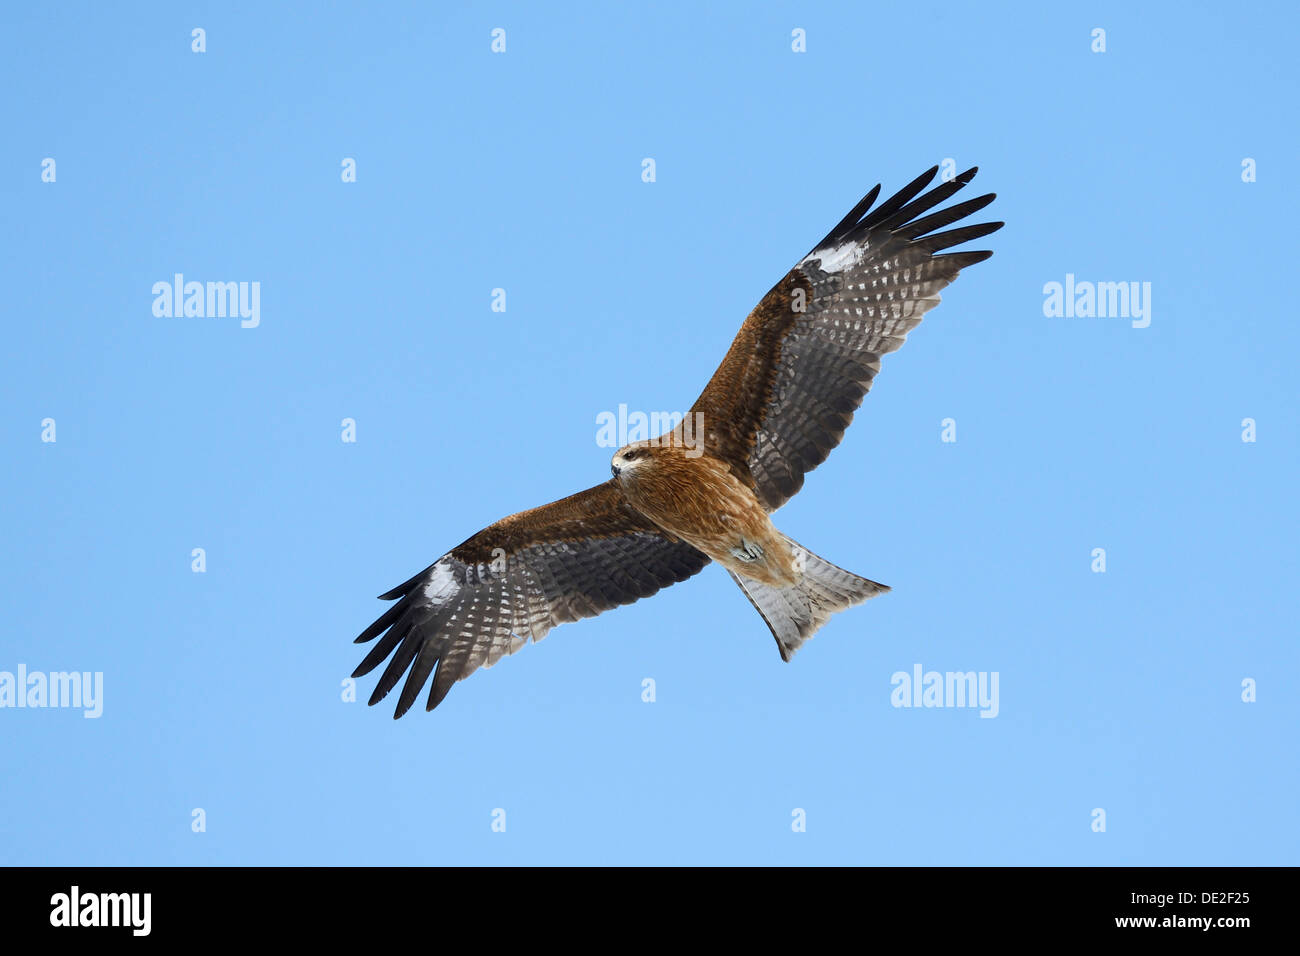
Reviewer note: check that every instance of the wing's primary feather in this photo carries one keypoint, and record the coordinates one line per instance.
(515, 580)
(806, 356)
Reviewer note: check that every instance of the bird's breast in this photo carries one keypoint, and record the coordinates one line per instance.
(699, 501)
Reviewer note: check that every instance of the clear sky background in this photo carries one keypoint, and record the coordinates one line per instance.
(224, 690)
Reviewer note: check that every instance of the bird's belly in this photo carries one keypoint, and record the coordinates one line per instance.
(758, 551)
(721, 517)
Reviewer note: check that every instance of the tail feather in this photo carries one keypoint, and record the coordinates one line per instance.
(794, 614)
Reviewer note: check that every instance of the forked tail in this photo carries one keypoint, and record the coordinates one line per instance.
(795, 613)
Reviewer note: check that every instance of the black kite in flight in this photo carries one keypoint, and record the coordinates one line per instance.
(779, 402)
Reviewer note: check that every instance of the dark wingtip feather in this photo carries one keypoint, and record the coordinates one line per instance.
(401, 659)
(944, 217)
(960, 260)
(862, 218)
(955, 237)
(385, 647)
(850, 220)
(443, 681)
(381, 625)
(420, 670)
(897, 201)
(406, 586)
(904, 222)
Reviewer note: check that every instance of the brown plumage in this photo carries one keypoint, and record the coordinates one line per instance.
(772, 412)
(700, 501)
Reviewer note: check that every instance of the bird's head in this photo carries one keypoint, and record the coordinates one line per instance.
(631, 457)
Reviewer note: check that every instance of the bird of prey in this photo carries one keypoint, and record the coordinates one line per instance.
(779, 402)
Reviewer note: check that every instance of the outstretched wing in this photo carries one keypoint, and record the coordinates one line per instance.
(805, 357)
(516, 580)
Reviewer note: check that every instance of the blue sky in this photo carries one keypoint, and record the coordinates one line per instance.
(1120, 691)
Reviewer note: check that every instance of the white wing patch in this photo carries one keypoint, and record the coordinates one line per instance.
(838, 258)
(442, 587)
